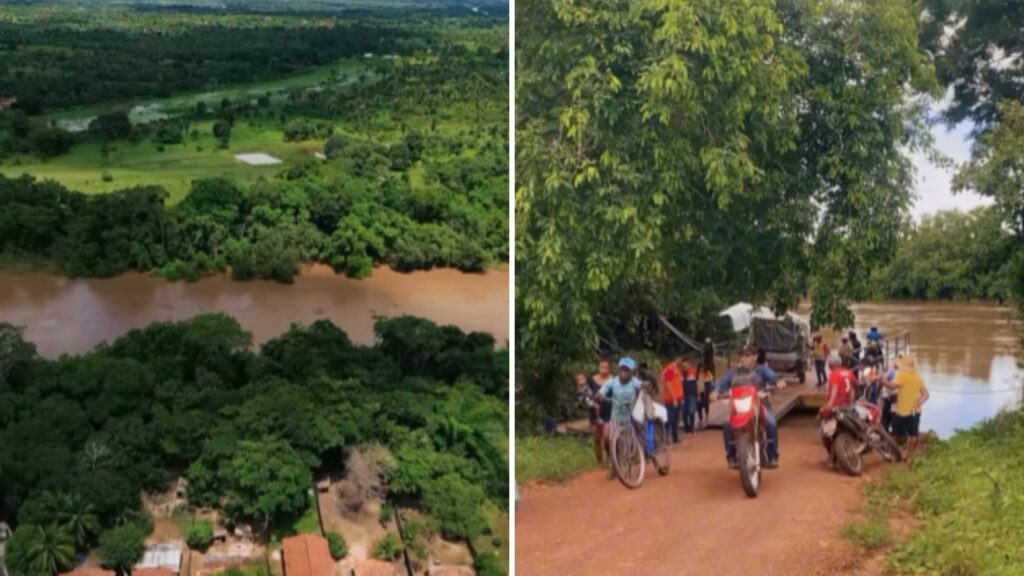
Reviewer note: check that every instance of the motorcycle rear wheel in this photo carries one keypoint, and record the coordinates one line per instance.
(628, 457)
(750, 469)
(847, 453)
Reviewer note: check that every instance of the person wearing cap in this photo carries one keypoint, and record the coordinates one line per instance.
(621, 390)
(762, 376)
(911, 394)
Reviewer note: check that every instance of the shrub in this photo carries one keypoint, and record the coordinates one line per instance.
(337, 545)
(388, 547)
(387, 511)
(199, 535)
(488, 565)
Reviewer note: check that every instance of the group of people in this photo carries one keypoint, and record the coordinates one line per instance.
(853, 372)
(850, 352)
(900, 392)
(687, 393)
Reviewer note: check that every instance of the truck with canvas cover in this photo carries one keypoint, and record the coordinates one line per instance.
(784, 341)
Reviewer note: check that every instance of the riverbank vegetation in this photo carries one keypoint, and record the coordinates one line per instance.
(84, 436)
(964, 497)
(951, 255)
(385, 146)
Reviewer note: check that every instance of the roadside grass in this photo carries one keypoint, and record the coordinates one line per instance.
(555, 458)
(872, 534)
(967, 497)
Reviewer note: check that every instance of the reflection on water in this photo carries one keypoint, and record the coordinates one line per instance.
(72, 316)
(966, 353)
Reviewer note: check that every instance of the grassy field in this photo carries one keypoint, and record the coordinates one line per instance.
(556, 458)
(174, 168)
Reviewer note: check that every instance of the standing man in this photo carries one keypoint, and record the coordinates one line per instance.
(763, 376)
(845, 352)
(840, 394)
(672, 395)
(911, 394)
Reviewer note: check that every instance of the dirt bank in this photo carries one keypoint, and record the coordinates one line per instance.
(696, 520)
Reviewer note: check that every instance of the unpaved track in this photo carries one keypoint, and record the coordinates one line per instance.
(696, 520)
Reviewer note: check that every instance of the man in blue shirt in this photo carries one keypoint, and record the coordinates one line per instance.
(874, 335)
(763, 376)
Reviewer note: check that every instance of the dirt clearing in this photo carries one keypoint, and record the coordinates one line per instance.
(697, 520)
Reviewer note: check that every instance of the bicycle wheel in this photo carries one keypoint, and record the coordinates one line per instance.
(627, 456)
(662, 455)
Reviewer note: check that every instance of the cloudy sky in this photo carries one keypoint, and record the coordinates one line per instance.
(933, 187)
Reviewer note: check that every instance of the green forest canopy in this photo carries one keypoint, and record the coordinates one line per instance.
(90, 432)
(415, 173)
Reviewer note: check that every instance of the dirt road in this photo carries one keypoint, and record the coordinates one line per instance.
(695, 521)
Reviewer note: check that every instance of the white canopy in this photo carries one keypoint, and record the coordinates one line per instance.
(743, 313)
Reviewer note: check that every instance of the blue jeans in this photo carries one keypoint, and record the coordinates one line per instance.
(689, 411)
(771, 427)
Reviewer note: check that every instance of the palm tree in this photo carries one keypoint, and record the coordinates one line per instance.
(51, 550)
(79, 518)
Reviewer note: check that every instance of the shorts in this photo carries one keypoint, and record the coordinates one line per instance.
(906, 425)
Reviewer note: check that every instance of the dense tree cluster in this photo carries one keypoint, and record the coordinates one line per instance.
(264, 231)
(979, 55)
(78, 58)
(83, 435)
(951, 255)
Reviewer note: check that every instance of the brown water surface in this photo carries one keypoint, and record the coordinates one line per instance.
(71, 316)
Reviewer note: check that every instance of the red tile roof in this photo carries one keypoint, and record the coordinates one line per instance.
(374, 568)
(307, 555)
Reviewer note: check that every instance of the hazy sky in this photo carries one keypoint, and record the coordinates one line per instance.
(934, 183)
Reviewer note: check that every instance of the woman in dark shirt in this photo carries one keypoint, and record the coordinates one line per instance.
(599, 413)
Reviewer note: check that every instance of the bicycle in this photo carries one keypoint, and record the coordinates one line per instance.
(642, 439)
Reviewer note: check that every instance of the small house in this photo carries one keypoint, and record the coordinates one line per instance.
(165, 556)
(307, 555)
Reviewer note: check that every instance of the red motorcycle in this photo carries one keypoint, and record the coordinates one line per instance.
(746, 417)
(855, 430)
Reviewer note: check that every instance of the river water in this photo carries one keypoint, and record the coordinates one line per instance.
(71, 316)
(966, 353)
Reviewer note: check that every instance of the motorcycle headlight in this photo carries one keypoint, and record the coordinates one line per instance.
(743, 404)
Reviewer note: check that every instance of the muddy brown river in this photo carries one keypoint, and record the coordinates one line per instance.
(966, 353)
(71, 316)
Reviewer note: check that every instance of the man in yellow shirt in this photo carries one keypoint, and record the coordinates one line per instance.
(911, 395)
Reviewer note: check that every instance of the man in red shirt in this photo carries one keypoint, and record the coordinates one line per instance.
(672, 394)
(840, 393)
